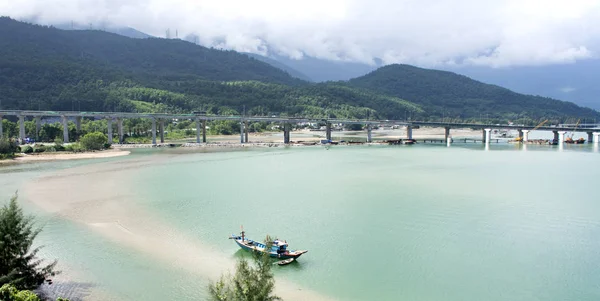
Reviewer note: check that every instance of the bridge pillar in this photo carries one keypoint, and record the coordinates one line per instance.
(65, 123)
(409, 132)
(596, 138)
(204, 131)
(446, 133)
(590, 137)
(197, 130)
(153, 131)
(22, 129)
(78, 124)
(369, 138)
(1, 129)
(241, 132)
(520, 134)
(286, 133)
(483, 136)
(161, 128)
(525, 135)
(38, 127)
(487, 135)
(328, 131)
(109, 129)
(555, 135)
(120, 129)
(246, 131)
(561, 137)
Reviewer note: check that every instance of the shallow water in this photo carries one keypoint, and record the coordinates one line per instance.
(421, 222)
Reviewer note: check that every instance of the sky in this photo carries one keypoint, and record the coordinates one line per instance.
(498, 33)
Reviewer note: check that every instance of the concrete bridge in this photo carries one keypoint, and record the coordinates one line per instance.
(201, 119)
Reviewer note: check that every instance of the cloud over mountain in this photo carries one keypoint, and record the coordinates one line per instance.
(426, 33)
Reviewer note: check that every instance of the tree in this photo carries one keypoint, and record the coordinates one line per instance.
(94, 141)
(19, 265)
(248, 283)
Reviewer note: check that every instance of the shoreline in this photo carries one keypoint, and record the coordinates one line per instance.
(303, 138)
(101, 206)
(54, 156)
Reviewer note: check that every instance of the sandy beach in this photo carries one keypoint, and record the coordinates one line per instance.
(67, 156)
(96, 199)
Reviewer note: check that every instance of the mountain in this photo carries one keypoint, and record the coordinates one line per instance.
(47, 68)
(443, 93)
(52, 69)
(291, 71)
(123, 31)
(576, 82)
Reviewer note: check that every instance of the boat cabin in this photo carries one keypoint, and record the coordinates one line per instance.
(280, 246)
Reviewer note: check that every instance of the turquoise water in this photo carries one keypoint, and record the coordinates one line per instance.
(421, 222)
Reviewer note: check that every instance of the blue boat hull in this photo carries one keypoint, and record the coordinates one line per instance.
(250, 245)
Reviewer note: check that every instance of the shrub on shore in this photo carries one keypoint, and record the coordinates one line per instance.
(9, 292)
(8, 148)
(39, 148)
(59, 147)
(74, 147)
(93, 141)
(26, 149)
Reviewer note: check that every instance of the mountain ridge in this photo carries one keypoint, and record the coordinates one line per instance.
(52, 69)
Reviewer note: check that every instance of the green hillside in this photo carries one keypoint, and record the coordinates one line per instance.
(443, 93)
(50, 69)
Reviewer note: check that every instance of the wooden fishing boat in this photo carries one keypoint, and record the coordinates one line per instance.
(279, 249)
(286, 261)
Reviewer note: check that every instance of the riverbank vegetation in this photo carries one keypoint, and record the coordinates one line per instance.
(248, 282)
(20, 268)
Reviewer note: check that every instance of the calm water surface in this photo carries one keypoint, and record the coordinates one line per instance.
(387, 223)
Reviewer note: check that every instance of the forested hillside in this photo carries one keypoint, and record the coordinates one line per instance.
(450, 94)
(50, 69)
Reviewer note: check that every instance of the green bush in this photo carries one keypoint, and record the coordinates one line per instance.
(137, 140)
(8, 146)
(74, 147)
(93, 141)
(59, 147)
(6, 156)
(26, 149)
(39, 148)
(107, 145)
(9, 292)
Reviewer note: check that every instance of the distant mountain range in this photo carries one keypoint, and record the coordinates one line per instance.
(52, 69)
(575, 82)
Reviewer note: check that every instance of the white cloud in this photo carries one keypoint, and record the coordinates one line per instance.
(567, 89)
(428, 33)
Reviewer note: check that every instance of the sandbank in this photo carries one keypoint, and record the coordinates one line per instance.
(97, 200)
(67, 156)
